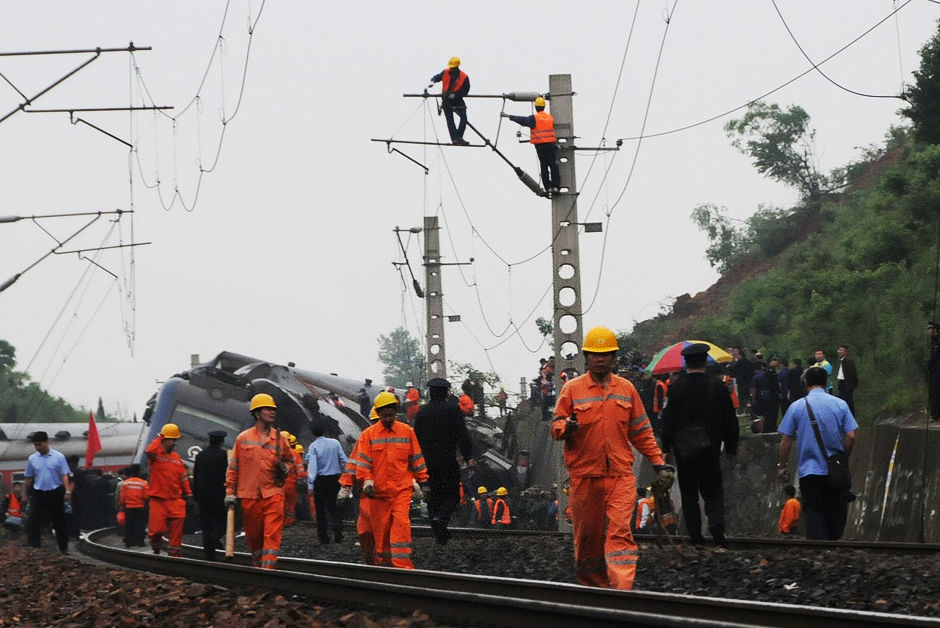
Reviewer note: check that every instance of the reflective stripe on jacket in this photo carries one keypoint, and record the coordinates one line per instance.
(391, 457)
(250, 473)
(544, 131)
(133, 493)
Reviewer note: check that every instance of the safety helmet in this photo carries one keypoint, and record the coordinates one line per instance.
(290, 437)
(384, 399)
(454, 62)
(600, 340)
(481, 490)
(373, 415)
(539, 102)
(262, 400)
(502, 491)
(170, 430)
(299, 448)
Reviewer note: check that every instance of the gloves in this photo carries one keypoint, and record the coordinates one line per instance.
(344, 494)
(230, 501)
(425, 491)
(368, 488)
(665, 476)
(503, 114)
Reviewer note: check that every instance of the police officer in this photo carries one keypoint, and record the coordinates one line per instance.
(698, 398)
(209, 491)
(441, 429)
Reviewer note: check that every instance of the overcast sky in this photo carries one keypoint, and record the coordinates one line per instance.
(286, 251)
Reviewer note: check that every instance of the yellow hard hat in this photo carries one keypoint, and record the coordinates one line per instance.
(299, 448)
(454, 62)
(385, 399)
(170, 430)
(290, 437)
(481, 490)
(373, 415)
(502, 491)
(262, 400)
(600, 340)
(539, 102)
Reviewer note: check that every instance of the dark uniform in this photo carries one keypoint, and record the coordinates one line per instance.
(699, 397)
(933, 372)
(209, 491)
(440, 428)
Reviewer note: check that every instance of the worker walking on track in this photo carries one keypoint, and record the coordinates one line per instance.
(326, 461)
(347, 482)
(133, 503)
(599, 416)
(169, 488)
(441, 429)
(255, 478)
(454, 86)
(390, 461)
(296, 476)
(542, 136)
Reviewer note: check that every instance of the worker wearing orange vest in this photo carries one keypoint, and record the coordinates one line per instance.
(295, 477)
(391, 461)
(501, 518)
(133, 503)
(255, 478)
(347, 482)
(601, 419)
(484, 506)
(168, 491)
(644, 512)
(542, 136)
(732, 387)
(454, 86)
(465, 403)
(412, 397)
(13, 518)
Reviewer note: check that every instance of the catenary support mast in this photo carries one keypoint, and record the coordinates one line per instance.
(436, 359)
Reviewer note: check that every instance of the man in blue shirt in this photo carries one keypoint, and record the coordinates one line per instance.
(824, 509)
(48, 487)
(325, 462)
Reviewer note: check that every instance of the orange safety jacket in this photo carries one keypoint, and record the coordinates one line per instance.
(646, 501)
(544, 131)
(300, 474)
(169, 478)
(250, 473)
(505, 517)
(789, 515)
(133, 493)
(348, 476)
(13, 509)
(445, 82)
(732, 387)
(659, 398)
(463, 495)
(610, 420)
(391, 457)
(465, 403)
(489, 507)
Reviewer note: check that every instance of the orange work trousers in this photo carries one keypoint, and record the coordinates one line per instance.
(290, 503)
(263, 520)
(391, 524)
(604, 560)
(365, 532)
(167, 515)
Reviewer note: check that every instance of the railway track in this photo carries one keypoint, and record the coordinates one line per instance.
(476, 600)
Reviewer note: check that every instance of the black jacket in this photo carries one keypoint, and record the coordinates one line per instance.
(209, 474)
(440, 429)
(850, 382)
(699, 397)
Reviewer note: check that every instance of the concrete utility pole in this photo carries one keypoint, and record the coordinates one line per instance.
(566, 271)
(436, 359)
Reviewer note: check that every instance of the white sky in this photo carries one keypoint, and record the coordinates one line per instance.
(287, 253)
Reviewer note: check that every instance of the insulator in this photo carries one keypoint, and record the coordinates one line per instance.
(522, 96)
(529, 181)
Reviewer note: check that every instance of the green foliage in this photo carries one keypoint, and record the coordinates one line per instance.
(924, 96)
(22, 401)
(781, 145)
(725, 243)
(546, 328)
(401, 354)
(460, 371)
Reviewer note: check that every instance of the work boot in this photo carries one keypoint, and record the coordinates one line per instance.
(461, 142)
(338, 537)
(696, 538)
(718, 534)
(441, 533)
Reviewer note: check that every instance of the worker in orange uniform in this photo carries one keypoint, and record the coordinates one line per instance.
(255, 478)
(501, 518)
(347, 482)
(168, 492)
(412, 398)
(465, 403)
(484, 506)
(133, 503)
(790, 514)
(295, 476)
(389, 462)
(542, 136)
(599, 416)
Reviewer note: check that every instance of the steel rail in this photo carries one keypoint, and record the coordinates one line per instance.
(485, 599)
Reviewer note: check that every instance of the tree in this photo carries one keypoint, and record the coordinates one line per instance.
(99, 414)
(924, 96)
(781, 145)
(401, 354)
(725, 243)
(547, 329)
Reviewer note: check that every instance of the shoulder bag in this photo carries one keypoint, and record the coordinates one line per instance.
(839, 478)
(692, 439)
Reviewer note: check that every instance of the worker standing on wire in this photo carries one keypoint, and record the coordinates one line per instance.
(600, 418)
(543, 137)
(390, 461)
(455, 85)
(256, 474)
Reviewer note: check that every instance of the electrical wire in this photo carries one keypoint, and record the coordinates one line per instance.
(817, 68)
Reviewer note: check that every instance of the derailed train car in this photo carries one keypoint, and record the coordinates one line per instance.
(214, 395)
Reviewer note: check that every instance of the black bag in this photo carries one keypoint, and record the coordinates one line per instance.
(691, 440)
(839, 477)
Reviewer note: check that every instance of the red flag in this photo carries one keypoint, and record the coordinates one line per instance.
(94, 442)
